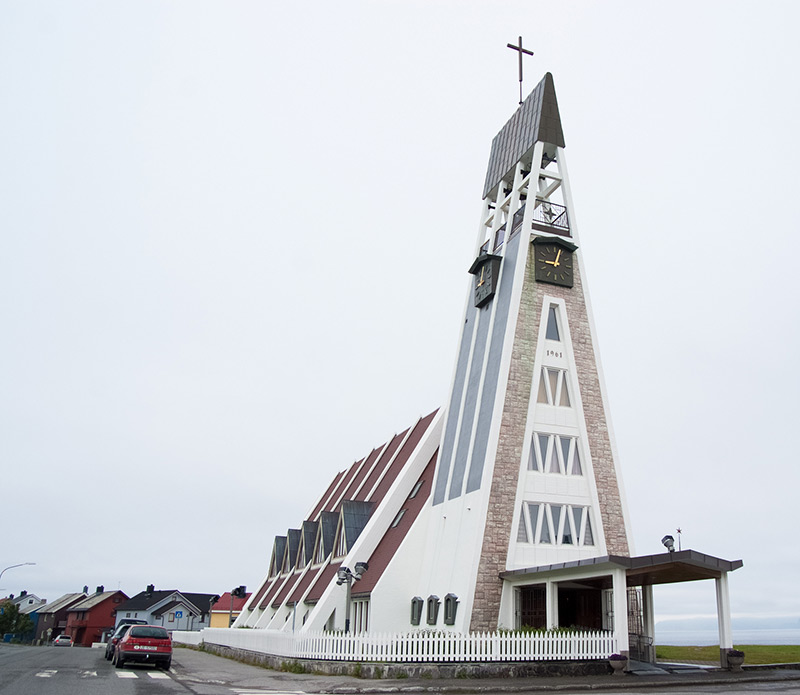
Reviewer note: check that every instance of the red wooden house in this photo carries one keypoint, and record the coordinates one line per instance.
(89, 619)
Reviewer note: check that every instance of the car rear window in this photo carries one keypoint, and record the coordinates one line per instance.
(149, 632)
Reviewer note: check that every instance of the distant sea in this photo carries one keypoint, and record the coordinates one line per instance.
(703, 638)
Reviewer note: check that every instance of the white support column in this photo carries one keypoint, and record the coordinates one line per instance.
(723, 618)
(649, 619)
(551, 602)
(620, 588)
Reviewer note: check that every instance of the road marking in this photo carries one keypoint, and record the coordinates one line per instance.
(49, 673)
(126, 674)
(157, 675)
(88, 674)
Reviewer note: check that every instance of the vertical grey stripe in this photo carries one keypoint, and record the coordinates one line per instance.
(470, 403)
(455, 405)
(503, 299)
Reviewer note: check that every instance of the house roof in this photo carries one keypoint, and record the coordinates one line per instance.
(224, 603)
(94, 600)
(62, 602)
(145, 600)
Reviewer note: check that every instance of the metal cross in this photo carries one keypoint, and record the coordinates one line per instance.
(521, 51)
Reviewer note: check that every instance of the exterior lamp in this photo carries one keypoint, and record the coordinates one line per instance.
(669, 543)
(21, 564)
(345, 576)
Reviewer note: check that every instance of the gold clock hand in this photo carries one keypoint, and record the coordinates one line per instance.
(558, 255)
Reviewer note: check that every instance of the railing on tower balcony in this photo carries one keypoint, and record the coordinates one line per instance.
(547, 217)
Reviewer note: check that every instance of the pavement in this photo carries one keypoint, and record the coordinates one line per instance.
(641, 676)
(664, 676)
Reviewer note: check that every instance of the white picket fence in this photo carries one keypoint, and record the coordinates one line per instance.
(412, 646)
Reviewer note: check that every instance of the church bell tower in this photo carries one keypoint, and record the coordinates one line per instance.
(526, 475)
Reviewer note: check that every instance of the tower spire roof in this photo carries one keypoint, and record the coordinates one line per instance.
(536, 120)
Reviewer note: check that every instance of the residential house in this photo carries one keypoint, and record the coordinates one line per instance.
(89, 620)
(227, 609)
(53, 616)
(173, 609)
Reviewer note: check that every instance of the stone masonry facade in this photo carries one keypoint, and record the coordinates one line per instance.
(505, 478)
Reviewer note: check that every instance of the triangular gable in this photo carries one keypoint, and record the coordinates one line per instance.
(308, 536)
(278, 554)
(326, 536)
(292, 546)
(353, 518)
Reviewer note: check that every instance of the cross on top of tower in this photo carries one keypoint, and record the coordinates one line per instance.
(521, 50)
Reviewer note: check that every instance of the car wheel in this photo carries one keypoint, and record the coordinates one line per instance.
(119, 662)
(166, 664)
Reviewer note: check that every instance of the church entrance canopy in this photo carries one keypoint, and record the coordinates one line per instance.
(557, 584)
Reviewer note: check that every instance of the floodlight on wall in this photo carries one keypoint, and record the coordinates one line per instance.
(361, 567)
(669, 543)
(342, 575)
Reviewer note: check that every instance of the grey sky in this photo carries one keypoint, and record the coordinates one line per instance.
(235, 238)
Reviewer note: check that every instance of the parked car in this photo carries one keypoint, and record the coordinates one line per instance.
(112, 641)
(144, 644)
(62, 641)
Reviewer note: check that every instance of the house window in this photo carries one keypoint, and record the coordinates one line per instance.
(416, 610)
(553, 453)
(171, 617)
(450, 608)
(433, 609)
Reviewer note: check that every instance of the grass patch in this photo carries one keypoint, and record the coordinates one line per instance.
(753, 653)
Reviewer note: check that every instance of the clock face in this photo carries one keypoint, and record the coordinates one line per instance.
(553, 264)
(484, 284)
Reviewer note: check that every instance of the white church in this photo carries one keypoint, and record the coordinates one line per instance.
(504, 508)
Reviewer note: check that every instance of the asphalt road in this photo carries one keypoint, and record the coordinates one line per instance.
(80, 671)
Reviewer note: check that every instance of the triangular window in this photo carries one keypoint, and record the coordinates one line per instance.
(533, 513)
(552, 461)
(522, 531)
(576, 462)
(552, 324)
(564, 396)
(556, 509)
(552, 377)
(577, 513)
(588, 538)
(565, 442)
(566, 536)
(542, 397)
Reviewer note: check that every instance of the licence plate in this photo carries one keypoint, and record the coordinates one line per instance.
(147, 648)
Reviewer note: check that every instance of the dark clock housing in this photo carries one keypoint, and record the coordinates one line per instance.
(553, 260)
(486, 270)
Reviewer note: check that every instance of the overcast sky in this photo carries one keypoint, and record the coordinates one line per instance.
(235, 238)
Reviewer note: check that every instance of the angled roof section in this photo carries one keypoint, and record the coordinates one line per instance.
(61, 602)
(537, 120)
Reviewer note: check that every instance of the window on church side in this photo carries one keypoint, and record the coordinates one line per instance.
(552, 324)
(555, 524)
(416, 489)
(553, 388)
(398, 518)
(554, 454)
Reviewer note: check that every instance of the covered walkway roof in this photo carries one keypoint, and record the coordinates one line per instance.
(644, 570)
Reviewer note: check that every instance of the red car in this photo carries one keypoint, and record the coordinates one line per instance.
(144, 644)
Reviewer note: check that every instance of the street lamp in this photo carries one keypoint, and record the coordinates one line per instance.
(21, 564)
(345, 576)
